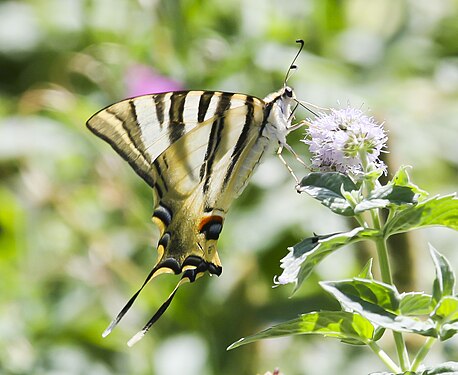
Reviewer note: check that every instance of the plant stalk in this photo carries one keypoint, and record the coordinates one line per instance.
(384, 357)
(385, 271)
(384, 263)
(422, 353)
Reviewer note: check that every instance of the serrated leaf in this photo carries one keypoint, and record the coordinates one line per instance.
(337, 324)
(366, 272)
(326, 188)
(303, 257)
(444, 283)
(446, 314)
(437, 211)
(374, 292)
(385, 196)
(448, 330)
(415, 303)
(402, 178)
(447, 368)
(447, 309)
(379, 303)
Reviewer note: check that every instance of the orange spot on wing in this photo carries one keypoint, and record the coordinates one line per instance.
(208, 219)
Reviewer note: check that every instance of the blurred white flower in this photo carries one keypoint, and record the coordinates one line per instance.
(344, 140)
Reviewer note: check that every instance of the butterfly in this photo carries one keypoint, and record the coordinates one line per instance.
(197, 151)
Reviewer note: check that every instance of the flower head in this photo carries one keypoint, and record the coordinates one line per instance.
(345, 140)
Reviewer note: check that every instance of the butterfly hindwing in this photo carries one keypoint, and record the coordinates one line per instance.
(199, 194)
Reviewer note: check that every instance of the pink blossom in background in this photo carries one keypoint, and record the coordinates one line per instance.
(141, 80)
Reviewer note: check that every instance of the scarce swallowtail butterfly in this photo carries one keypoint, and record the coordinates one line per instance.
(196, 150)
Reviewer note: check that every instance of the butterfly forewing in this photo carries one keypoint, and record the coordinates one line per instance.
(196, 149)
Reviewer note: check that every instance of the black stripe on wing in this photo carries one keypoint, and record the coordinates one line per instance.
(159, 102)
(214, 139)
(176, 123)
(204, 103)
(242, 140)
(142, 172)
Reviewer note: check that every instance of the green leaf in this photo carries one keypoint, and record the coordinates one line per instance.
(338, 324)
(446, 314)
(326, 188)
(366, 272)
(432, 212)
(402, 178)
(385, 196)
(303, 257)
(444, 283)
(447, 309)
(447, 368)
(378, 302)
(347, 292)
(415, 303)
(378, 333)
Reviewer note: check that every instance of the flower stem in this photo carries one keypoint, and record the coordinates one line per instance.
(422, 353)
(384, 357)
(382, 252)
(384, 263)
(385, 271)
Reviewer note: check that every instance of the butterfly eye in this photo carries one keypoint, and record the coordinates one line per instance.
(288, 92)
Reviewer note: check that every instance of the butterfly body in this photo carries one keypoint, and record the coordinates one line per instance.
(197, 151)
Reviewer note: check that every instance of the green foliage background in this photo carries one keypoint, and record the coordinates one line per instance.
(75, 235)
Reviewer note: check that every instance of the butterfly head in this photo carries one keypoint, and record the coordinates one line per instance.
(285, 95)
(288, 92)
(279, 114)
(287, 98)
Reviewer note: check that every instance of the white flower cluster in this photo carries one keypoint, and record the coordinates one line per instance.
(339, 139)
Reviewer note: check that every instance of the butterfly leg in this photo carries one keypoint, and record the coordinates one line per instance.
(290, 149)
(299, 125)
(279, 151)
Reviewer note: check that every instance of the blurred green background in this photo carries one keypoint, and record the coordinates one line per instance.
(76, 239)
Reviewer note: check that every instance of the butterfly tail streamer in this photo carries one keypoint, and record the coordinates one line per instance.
(154, 272)
(189, 276)
(139, 335)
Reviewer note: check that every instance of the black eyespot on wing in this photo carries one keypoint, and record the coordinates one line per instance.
(164, 214)
(172, 264)
(192, 260)
(211, 226)
(215, 270)
(212, 229)
(191, 274)
(165, 239)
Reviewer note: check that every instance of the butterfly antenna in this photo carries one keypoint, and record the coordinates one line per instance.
(307, 106)
(292, 112)
(128, 305)
(139, 335)
(293, 67)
